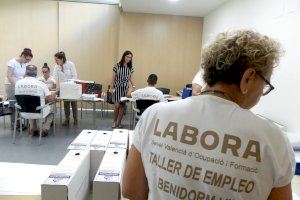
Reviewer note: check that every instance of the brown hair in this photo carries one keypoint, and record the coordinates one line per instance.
(123, 59)
(61, 55)
(231, 53)
(46, 66)
(27, 52)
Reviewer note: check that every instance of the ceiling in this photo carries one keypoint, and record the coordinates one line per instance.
(198, 8)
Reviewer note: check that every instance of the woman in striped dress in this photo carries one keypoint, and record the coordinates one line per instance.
(122, 74)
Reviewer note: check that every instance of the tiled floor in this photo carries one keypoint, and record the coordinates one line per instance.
(53, 147)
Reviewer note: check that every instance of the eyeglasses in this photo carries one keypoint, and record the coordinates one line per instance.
(44, 72)
(268, 87)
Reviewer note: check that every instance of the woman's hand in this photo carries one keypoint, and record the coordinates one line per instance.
(111, 90)
(133, 88)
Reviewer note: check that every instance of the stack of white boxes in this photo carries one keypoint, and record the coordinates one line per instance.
(107, 182)
(70, 179)
(130, 139)
(97, 156)
(97, 150)
(119, 139)
(83, 140)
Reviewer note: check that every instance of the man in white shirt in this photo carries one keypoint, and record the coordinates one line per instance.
(47, 78)
(31, 86)
(149, 92)
(198, 84)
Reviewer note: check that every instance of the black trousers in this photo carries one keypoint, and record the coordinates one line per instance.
(67, 109)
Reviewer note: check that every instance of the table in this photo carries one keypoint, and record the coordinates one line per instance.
(5, 110)
(92, 101)
(169, 98)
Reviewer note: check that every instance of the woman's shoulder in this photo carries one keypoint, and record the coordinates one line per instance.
(69, 63)
(12, 61)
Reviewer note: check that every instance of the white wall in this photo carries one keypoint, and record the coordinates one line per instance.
(279, 19)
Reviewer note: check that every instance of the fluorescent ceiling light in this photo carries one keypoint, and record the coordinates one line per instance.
(96, 1)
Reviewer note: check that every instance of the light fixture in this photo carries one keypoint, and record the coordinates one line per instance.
(173, 0)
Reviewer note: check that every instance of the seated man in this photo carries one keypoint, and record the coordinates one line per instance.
(149, 92)
(31, 86)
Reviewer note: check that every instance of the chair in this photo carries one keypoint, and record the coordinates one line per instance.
(4, 110)
(140, 106)
(92, 88)
(27, 104)
(164, 90)
(107, 96)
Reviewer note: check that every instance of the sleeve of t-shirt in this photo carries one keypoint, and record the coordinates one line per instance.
(55, 73)
(162, 98)
(135, 95)
(115, 68)
(10, 64)
(284, 161)
(143, 123)
(73, 71)
(53, 80)
(138, 131)
(46, 90)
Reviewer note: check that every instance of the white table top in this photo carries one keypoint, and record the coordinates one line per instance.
(80, 99)
(22, 179)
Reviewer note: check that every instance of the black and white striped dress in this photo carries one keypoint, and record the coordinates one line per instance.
(121, 83)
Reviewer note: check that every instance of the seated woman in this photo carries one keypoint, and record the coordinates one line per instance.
(212, 146)
(47, 78)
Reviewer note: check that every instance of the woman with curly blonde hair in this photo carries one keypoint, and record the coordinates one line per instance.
(212, 146)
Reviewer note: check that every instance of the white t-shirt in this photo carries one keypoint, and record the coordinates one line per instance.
(18, 70)
(31, 86)
(62, 74)
(198, 79)
(206, 147)
(49, 82)
(150, 93)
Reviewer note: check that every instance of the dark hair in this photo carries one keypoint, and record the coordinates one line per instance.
(61, 55)
(27, 52)
(152, 79)
(231, 53)
(123, 59)
(46, 66)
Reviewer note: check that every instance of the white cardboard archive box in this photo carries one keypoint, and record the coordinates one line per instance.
(70, 179)
(83, 140)
(107, 182)
(97, 149)
(130, 139)
(119, 139)
(70, 90)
